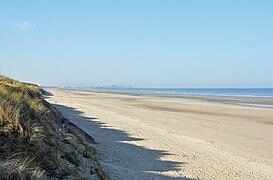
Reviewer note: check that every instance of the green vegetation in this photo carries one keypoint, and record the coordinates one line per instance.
(32, 142)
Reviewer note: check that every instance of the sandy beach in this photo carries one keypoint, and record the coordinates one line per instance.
(147, 137)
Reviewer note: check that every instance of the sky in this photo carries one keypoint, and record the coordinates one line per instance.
(142, 43)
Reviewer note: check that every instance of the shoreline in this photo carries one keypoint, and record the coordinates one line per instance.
(142, 136)
(250, 101)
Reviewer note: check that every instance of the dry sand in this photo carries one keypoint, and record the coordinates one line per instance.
(145, 137)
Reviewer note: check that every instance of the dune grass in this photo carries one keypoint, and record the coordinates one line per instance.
(28, 132)
(31, 137)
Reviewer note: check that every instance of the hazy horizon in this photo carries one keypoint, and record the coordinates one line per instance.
(160, 44)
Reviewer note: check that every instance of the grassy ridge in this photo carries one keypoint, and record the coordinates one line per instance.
(25, 122)
(31, 140)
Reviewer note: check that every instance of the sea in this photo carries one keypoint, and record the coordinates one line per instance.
(260, 97)
(236, 92)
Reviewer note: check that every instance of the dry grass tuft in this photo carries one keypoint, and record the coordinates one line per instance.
(17, 168)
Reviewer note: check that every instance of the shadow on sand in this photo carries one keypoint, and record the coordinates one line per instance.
(113, 144)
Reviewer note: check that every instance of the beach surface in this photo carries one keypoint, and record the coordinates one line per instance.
(148, 137)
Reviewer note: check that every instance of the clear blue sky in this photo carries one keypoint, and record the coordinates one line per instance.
(143, 43)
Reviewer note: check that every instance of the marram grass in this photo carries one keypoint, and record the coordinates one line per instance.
(25, 120)
(32, 142)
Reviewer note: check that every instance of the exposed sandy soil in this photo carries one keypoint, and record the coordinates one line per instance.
(145, 137)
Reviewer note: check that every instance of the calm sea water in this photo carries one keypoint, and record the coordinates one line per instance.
(235, 92)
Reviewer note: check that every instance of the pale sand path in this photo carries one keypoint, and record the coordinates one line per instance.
(141, 137)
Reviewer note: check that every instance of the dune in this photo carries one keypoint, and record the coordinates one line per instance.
(37, 142)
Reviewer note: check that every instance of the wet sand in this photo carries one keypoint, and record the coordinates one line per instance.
(154, 137)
